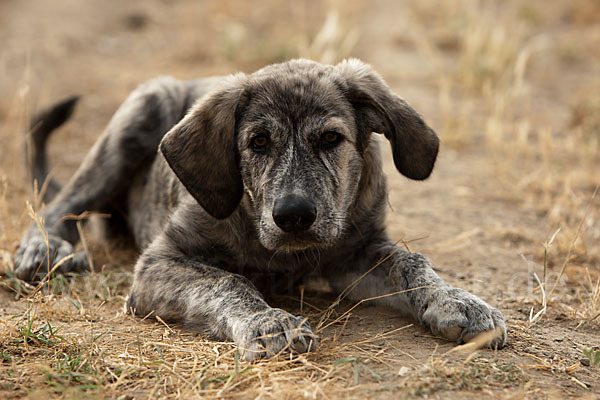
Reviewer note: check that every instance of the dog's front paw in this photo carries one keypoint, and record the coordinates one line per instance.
(36, 257)
(456, 314)
(272, 331)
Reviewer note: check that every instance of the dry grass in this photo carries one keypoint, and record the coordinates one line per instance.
(121, 354)
(517, 91)
(69, 342)
(550, 168)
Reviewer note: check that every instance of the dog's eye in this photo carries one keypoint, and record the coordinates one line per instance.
(330, 139)
(259, 143)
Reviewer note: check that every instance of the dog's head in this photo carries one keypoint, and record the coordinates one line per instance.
(293, 136)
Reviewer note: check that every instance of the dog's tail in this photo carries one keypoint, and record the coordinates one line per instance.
(42, 126)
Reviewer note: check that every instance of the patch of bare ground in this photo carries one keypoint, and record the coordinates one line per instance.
(511, 212)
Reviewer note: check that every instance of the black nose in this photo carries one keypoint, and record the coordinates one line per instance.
(293, 213)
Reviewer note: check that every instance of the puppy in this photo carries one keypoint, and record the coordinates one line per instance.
(277, 171)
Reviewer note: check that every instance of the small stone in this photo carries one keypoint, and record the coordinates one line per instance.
(585, 362)
(534, 351)
(136, 21)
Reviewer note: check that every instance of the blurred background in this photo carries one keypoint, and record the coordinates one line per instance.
(512, 88)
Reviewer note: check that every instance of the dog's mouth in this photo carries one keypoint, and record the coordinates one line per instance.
(291, 242)
(297, 245)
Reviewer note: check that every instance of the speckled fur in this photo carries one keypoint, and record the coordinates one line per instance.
(201, 209)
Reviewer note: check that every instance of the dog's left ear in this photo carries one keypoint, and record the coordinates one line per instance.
(201, 150)
(414, 144)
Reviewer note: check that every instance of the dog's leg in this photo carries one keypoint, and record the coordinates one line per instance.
(452, 313)
(205, 298)
(130, 140)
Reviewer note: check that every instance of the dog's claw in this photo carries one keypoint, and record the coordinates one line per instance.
(274, 331)
(457, 315)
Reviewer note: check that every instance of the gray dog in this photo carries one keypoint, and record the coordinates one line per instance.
(277, 171)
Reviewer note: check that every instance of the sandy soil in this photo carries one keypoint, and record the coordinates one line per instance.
(469, 217)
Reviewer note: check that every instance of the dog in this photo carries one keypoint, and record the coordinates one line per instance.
(278, 171)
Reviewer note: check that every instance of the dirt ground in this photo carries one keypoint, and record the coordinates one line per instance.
(511, 212)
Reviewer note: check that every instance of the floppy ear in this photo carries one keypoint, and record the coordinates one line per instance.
(414, 144)
(201, 150)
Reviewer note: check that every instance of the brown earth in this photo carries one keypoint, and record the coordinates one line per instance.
(495, 198)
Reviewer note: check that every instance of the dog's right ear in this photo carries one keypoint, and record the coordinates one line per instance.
(201, 150)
